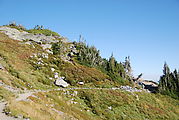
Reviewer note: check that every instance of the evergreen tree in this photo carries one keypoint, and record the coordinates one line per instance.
(90, 56)
(111, 64)
(169, 82)
(58, 48)
(127, 67)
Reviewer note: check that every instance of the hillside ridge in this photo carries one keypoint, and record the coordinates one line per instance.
(46, 77)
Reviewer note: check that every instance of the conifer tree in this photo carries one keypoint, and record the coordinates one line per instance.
(127, 67)
(169, 82)
(111, 64)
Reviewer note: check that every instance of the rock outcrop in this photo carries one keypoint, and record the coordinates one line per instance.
(44, 41)
(149, 85)
(22, 35)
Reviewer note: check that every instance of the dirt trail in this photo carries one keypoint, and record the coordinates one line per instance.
(23, 95)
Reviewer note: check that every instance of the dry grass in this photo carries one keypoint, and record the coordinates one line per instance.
(33, 110)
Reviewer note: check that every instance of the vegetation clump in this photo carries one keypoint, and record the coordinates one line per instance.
(16, 26)
(40, 30)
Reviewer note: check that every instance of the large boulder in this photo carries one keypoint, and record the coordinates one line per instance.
(61, 82)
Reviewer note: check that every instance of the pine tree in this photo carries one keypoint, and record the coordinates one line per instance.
(111, 64)
(127, 67)
(169, 82)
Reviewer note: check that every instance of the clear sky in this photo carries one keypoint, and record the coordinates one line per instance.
(145, 30)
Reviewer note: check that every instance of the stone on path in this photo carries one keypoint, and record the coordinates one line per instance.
(61, 82)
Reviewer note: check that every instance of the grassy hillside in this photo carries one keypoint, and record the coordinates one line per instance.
(22, 71)
(18, 72)
(97, 105)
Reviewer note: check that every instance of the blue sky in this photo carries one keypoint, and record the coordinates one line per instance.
(145, 30)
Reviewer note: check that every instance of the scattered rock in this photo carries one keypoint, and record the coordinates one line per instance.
(61, 82)
(1, 67)
(130, 89)
(49, 51)
(110, 108)
(20, 116)
(52, 69)
(40, 63)
(46, 46)
(44, 55)
(81, 83)
(56, 75)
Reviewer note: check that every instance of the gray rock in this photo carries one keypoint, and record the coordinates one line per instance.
(1, 67)
(44, 41)
(49, 51)
(52, 69)
(61, 82)
(130, 89)
(44, 55)
(13, 33)
(110, 108)
(20, 116)
(81, 83)
(46, 46)
(56, 75)
(21, 36)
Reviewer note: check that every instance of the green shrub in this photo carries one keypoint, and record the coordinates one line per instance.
(46, 32)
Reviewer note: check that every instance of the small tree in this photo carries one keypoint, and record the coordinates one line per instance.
(58, 48)
(127, 67)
